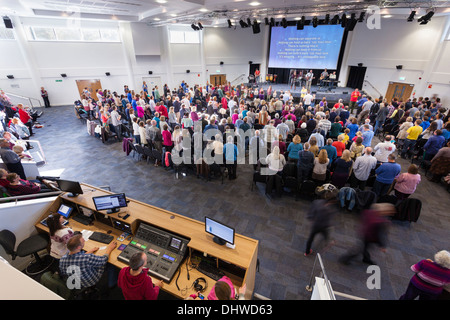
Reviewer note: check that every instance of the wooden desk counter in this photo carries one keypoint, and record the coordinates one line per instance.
(244, 255)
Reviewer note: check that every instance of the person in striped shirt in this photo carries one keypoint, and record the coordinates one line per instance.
(430, 278)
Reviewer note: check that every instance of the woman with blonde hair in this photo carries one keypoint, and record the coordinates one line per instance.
(402, 134)
(321, 162)
(276, 161)
(293, 148)
(314, 148)
(263, 116)
(342, 168)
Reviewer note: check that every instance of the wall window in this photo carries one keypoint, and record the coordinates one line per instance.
(184, 36)
(42, 33)
(66, 34)
(74, 34)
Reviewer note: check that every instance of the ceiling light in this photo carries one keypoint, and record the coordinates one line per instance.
(161, 1)
(297, 18)
(157, 19)
(203, 10)
(254, 3)
(387, 16)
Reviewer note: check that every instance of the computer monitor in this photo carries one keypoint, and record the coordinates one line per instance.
(222, 233)
(65, 211)
(112, 202)
(72, 187)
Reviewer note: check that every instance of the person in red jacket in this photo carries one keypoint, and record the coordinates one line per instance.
(355, 95)
(135, 282)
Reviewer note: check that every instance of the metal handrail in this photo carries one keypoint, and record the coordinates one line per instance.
(240, 76)
(327, 283)
(26, 98)
(379, 93)
(30, 196)
(330, 290)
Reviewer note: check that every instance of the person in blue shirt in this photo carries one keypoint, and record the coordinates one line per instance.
(293, 148)
(367, 136)
(331, 150)
(446, 132)
(230, 152)
(353, 127)
(386, 173)
(434, 143)
(425, 123)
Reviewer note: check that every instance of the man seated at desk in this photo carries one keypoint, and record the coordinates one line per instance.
(90, 267)
(135, 282)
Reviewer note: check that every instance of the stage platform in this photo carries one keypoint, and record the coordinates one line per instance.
(332, 95)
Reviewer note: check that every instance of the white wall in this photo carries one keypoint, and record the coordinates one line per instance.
(235, 48)
(420, 49)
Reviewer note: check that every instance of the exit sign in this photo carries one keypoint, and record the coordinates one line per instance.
(58, 80)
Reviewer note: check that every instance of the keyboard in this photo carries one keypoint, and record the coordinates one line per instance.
(209, 270)
(101, 237)
(81, 218)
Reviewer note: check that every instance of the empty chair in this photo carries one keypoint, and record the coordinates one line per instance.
(29, 246)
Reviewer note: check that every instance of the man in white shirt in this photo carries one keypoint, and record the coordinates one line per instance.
(384, 149)
(362, 168)
(365, 109)
(307, 99)
(116, 122)
(283, 129)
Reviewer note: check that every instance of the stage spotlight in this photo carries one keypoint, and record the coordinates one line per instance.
(266, 21)
(284, 22)
(327, 18)
(200, 26)
(411, 16)
(229, 23)
(193, 26)
(361, 16)
(249, 22)
(272, 22)
(343, 20)
(335, 19)
(315, 22)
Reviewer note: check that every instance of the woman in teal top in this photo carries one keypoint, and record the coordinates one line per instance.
(294, 147)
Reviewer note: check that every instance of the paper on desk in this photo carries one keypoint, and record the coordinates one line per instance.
(86, 234)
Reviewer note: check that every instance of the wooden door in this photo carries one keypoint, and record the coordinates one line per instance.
(399, 90)
(218, 79)
(91, 85)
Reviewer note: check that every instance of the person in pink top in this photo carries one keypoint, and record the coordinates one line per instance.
(167, 138)
(406, 183)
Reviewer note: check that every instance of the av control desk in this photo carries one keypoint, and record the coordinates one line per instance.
(239, 264)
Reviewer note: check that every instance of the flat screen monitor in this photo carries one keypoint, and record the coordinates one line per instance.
(221, 232)
(112, 202)
(72, 187)
(65, 211)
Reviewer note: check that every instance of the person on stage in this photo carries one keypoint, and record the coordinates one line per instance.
(323, 76)
(293, 78)
(309, 77)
